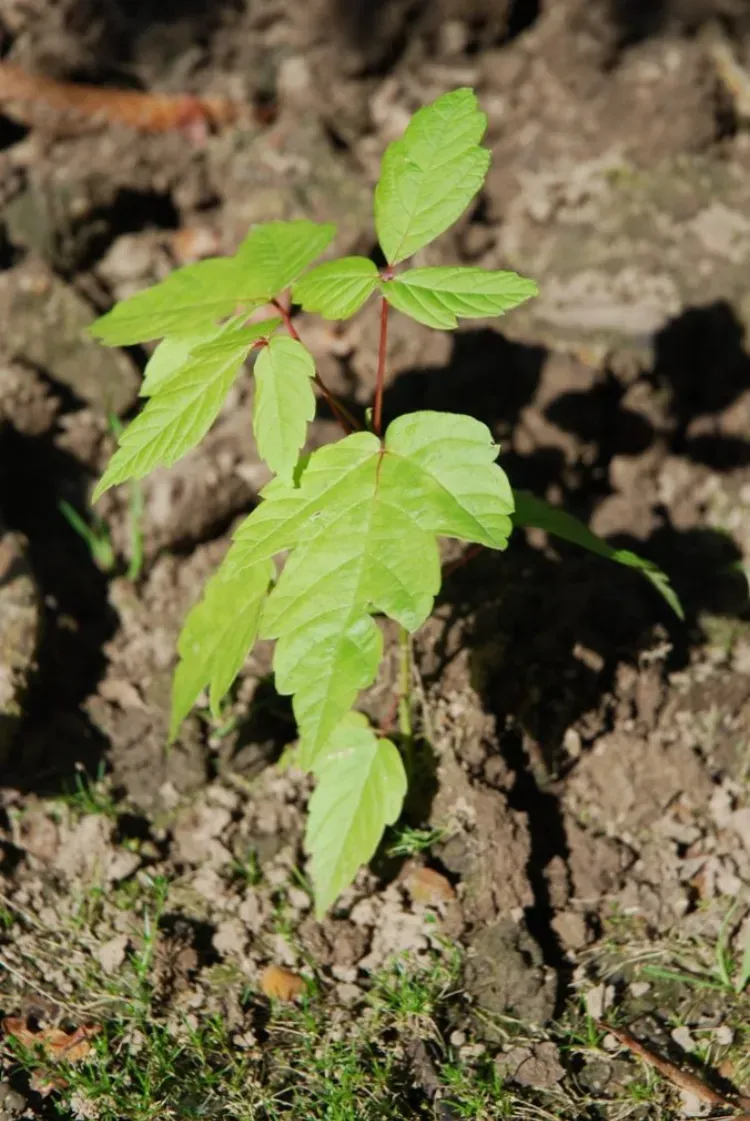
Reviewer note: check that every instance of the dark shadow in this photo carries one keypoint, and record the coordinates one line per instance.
(129, 212)
(261, 739)
(120, 30)
(523, 14)
(11, 132)
(55, 737)
(638, 20)
(547, 629)
(488, 377)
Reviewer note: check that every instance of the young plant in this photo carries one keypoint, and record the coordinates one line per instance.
(359, 519)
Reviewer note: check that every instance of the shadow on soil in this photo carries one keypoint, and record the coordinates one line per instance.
(547, 629)
(35, 477)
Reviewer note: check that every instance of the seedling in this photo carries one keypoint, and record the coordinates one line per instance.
(360, 518)
(730, 974)
(95, 535)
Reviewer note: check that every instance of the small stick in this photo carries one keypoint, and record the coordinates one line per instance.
(340, 411)
(148, 112)
(683, 1079)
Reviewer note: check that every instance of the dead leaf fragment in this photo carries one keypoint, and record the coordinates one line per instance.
(278, 983)
(425, 885)
(57, 1045)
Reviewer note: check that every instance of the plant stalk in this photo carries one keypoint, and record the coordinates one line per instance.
(342, 414)
(377, 413)
(404, 686)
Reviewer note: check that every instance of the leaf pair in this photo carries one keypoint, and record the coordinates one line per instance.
(427, 180)
(437, 297)
(193, 368)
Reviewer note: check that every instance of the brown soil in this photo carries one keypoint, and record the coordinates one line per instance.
(589, 754)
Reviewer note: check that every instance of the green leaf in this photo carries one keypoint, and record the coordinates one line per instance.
(535, 512)
(276, 253)
(430, 175)
(218, 634)
(183, 407)
(284, 403)
(438, 296)
(189, 300)
(457, 455)
(337, 289)
(362, 528)
(170, 355)
(361, 785)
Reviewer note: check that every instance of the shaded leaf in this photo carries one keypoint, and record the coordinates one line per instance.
(284, 403)
(438, 297)
(361, 785)
(217, 637)
(337, 289)
(535, 512)
(430, 175)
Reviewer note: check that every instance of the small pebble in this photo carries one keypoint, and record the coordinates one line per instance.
(683, 1038)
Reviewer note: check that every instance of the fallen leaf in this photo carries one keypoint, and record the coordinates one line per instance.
(278, 983)
(425, 885)
(58, 1044)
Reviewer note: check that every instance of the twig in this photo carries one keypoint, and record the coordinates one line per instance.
(148, 112)
(377, 414)
(683, 1079)
(404, 685)
(468, 555)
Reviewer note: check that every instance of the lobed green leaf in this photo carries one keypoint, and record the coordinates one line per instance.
(217, 636)
(284, 403)
(533, 512)
(362, 526)
(430, 175)
(183, 407)
(439, 296)
(361, 785)
(337, 289)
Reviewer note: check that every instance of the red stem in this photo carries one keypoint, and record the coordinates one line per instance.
(342, 414)
(377, 413)
(459, 562)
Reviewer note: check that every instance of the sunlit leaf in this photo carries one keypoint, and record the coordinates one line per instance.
(439, 297)
(276, 253)
(284, 403)
(337, 289)
(431, 174)
(362, 526)
(188, 301)
(183, 407)
(361, 785)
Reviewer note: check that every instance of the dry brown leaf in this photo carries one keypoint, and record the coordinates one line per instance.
(59, 1045)
(278, 983)
(425, 885)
